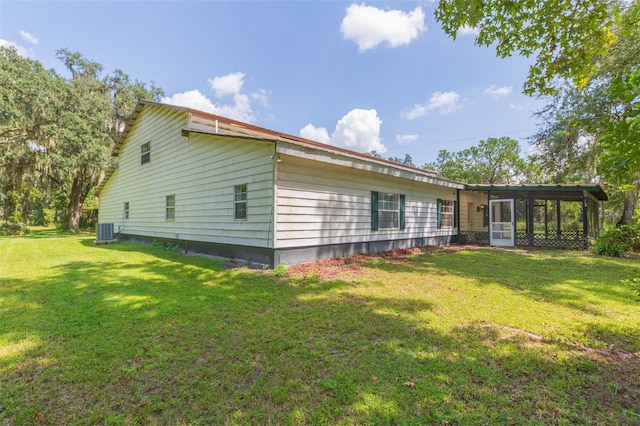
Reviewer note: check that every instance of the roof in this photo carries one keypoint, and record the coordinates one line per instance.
(240, 129)
(595, 189)
(229, 127)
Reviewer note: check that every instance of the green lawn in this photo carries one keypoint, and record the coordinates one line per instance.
(126, 334)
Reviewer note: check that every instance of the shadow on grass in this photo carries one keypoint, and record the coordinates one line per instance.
(175, 339)
(560, 277)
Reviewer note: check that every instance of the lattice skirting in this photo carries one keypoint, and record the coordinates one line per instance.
(567, 240)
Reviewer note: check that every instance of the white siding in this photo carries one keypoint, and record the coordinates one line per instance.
(201, 171)
(319, 203)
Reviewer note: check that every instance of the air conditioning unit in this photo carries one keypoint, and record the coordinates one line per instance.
(104, 231)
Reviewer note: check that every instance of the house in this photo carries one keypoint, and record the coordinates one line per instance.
(218, 186)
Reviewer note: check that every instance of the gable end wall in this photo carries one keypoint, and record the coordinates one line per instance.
(201, 171)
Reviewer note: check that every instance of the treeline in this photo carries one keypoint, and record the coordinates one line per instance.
(56, 134)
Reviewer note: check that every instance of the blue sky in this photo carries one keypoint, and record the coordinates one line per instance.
(362, 75)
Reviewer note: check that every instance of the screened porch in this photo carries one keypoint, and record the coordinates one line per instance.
(549, 216)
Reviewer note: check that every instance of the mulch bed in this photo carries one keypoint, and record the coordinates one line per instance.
(352, 266)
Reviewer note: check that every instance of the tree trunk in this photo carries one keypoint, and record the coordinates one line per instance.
(629, 209)
(76, 204)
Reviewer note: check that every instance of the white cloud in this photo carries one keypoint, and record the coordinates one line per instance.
(191, 99)
(516, 107)
(229, 84)
(262, 97)
(442, 102)
(498, 92)
(314, 133)
(28, 37)
(405, 139)
(358, 130)
(466, 30)
(22, 51)
(369, 26)
(418, 110)
(240, 108)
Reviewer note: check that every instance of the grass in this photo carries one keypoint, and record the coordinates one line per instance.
(126, 334)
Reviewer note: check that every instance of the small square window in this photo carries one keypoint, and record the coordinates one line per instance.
(145, 153)
(240, 202)
(126, 210)
(170, 207)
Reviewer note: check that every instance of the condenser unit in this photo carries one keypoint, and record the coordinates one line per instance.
(104, 231)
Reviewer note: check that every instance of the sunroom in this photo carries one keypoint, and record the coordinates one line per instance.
(548, 216)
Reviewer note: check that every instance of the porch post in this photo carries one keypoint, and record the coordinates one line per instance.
(546, 219)
(558, 226)
(585, 220)
(530, 219)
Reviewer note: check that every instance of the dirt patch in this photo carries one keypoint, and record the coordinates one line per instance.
(352, 266)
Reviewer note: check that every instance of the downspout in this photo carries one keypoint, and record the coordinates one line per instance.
(271, 233)
(489, 216)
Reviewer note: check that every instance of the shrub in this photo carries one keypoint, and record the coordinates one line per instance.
(633, 281)
(166, 245)
(13, 229)
(617, 241)
(280, 271)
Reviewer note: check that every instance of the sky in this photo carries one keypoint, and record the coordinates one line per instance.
(365, 76)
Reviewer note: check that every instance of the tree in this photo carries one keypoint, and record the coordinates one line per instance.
(565, 148)
(125, 95)
(621, 141)
(29, 98)
(407, 160)
(565, 36)
(493, 161)
(81, 153)
(95, 115)
(588, 132)
(57, 133)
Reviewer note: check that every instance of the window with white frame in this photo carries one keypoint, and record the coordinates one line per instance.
(240, 202)
(170, 207)
(145, 152)
(387, 211)
(126, 210)
(446, 214)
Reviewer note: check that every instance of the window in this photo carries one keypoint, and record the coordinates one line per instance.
(126, 210)
(447, 214)
(145, 152)
(387, 210)
(170, 207)
(240, 202)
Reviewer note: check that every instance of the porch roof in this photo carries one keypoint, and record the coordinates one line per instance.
(555, 191)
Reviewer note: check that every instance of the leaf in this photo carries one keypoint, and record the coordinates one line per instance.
(409, 385)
